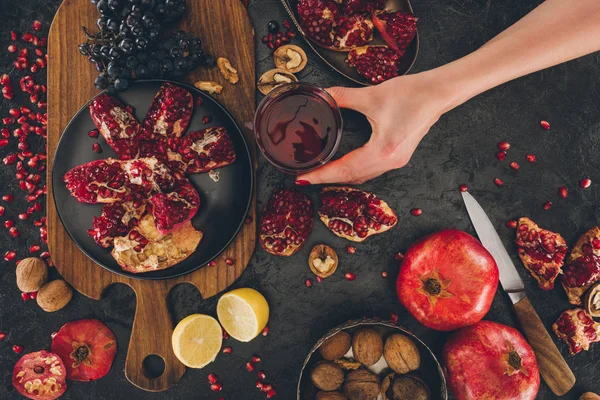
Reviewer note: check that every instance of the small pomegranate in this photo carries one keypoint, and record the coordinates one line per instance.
(577, 329)
(489, 360)
(541, 251)
(582, 269)
(40, 376)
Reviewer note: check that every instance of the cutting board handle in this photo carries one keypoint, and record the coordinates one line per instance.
(553, 367)
(151, 335)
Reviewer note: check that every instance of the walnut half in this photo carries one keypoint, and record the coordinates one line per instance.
(291, 58)
(209, 87)
(227, 70)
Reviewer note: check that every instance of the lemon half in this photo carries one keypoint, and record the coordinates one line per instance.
(243, 313)
(197, 340)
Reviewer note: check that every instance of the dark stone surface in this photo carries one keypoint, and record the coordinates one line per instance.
(459, 149)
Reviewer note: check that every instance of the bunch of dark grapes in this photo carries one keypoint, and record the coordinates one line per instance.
(127, 44)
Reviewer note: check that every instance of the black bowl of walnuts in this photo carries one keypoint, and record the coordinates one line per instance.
(371, 360)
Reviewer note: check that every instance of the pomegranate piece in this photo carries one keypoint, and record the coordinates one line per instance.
(361, 6)
(171, 210)
(317, 18)
(352, 31)
(376, 63)
(88, 348)
(202, 151)
(541, 251)
(40, 376)
(286, 222)
(577, 329)
(355, 214)
(170, 112)
(116, 220)
(398, 29)
(144, 249)
(118, 126)
(583, 266)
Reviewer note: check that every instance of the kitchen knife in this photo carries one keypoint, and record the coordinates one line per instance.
(553, 368)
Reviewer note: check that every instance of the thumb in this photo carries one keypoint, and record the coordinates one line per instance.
(353, 98)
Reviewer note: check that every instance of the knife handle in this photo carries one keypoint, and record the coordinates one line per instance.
(553, 367)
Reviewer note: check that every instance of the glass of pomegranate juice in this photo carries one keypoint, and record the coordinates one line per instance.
(298, 127)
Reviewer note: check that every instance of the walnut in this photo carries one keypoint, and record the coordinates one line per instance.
(32, 274)
(209, 87)
(367, 346)
(401, 354)
(227, 70)
(331, 396)
(591, 301)
(362, 385)
(323, 261)
(349, 364)
(589, 396)
(336, 346)
(407, 387)
(386, 385)
(54, 295)
(327, 376)
(274, 78)
(291, 58)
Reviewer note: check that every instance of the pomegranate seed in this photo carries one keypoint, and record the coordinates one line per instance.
(2, 335)
(12, 48)
(14, 232)
(416, 212)
(10, 255)
(212, 263)
(504, 145)
(206, 119)
(249, 366)
(2, 210)
(265, 39)
(563, 192)
(511, 224)
(261, 375)
(308, 283)
(34, 248)
(17, 349)
(286, 23)
(227, 350)
(384, 274)
(501, 155)
(585, 183)
(8, 120)
(351, 249)
(514, 165)
(45, 255)
(225, 334)
(33, 295)
(8, 197)
(37, 25)
(96, 148)
(25, 296)
(259, 384)
(319, 279)
(547, 205)
(399, 256)
(498, 182)
(9, 223)
(229, 261)
(23, 216)
(545, 125)
(256, 359)
(212, 378)
(394, 318)
(4, 79)
(531, 158)
(463, 188)
(271, 393)
(216, 387)
(265, 330)
(349, 276)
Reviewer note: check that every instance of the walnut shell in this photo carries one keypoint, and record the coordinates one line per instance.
(291, 58)
(591, 300)
(54, 295)
(274, 78)
(331, 396)
(327, 376)
(401, 354)
(323, 261)
(336, 346)
(409, 387)
(32, 274)
(362, 385)
(589, 396)
(367, 346)
(386, 385)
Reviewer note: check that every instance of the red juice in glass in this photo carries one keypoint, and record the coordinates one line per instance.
(298, 127)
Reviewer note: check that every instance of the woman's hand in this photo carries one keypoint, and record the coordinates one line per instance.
(400, 111)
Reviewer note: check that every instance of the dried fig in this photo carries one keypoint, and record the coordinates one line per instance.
(209, 87)
(54, 295)
(227, 70)
(367, 346)
(291, 58)
(336, 346)
(407, 387)
(327, 376)
(401, 354)
(32, 274)
(331, 396)
(362, 385)
(589, 396)
(273, 78)
(323, 261)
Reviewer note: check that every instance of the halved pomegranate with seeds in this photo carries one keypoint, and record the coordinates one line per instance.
(170, 112)
(355, 214)
(286, 222)
(40, 376)
(144, 249)
(397, 28)
(119, 128)
(171, 210)
(88, 348)
(376, 63)
(101, 181)
(202, 151)
(542, 252)
(577, 329)
(352, 31)
(583, 266)
(317, 18)
(116, 220)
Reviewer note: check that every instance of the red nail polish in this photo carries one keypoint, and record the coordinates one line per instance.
(302, 182)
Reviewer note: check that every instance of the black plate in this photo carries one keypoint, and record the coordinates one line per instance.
(224, 204)
(337, 59)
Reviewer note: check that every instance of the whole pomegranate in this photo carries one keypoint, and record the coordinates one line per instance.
(447, 280)
(489, 360)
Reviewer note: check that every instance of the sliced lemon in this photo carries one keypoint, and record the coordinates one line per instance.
(197, 340)
(243, 313)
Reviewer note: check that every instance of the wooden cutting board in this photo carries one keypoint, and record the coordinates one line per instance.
(225, 29)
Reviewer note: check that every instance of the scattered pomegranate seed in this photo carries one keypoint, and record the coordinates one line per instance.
(463, 188)
(308, 283)
(10, 255)
(2, 335)
(531, 158)
(33, 295)
(384, 274)
(394, 318)
(227, 350)
(271, 393)
(256, 359)
(266, 387)
(585, 183)
(261, 375)
(249, 366)
(511, 224)
(547, 205)
(286, 24)
(37, 25)
(9, 223)
(45, 255)
(563, 192)
(259, 384)
(23, 216)
(212, 263)
(25, 296)
(206, 119)
(17, 349)
(96, 148)
(4, 80)
(416, 212)
(319, 279)
(501, 155)
(14, 232)
(8, 197)
(2, 209)
(545, 125)
(12, 48)
(212, 378)
(515, 165)
(399, 256)
(34, 248)
(498, 182)
(265, 330)
(351, 249)
(94, 133)
(504, 145)
(225, 334)
(229, 261)
(349, 276)
(216, 387)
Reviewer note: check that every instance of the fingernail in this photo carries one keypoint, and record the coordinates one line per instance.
(302, 182)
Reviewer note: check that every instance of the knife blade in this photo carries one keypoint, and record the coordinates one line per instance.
(552, 365)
